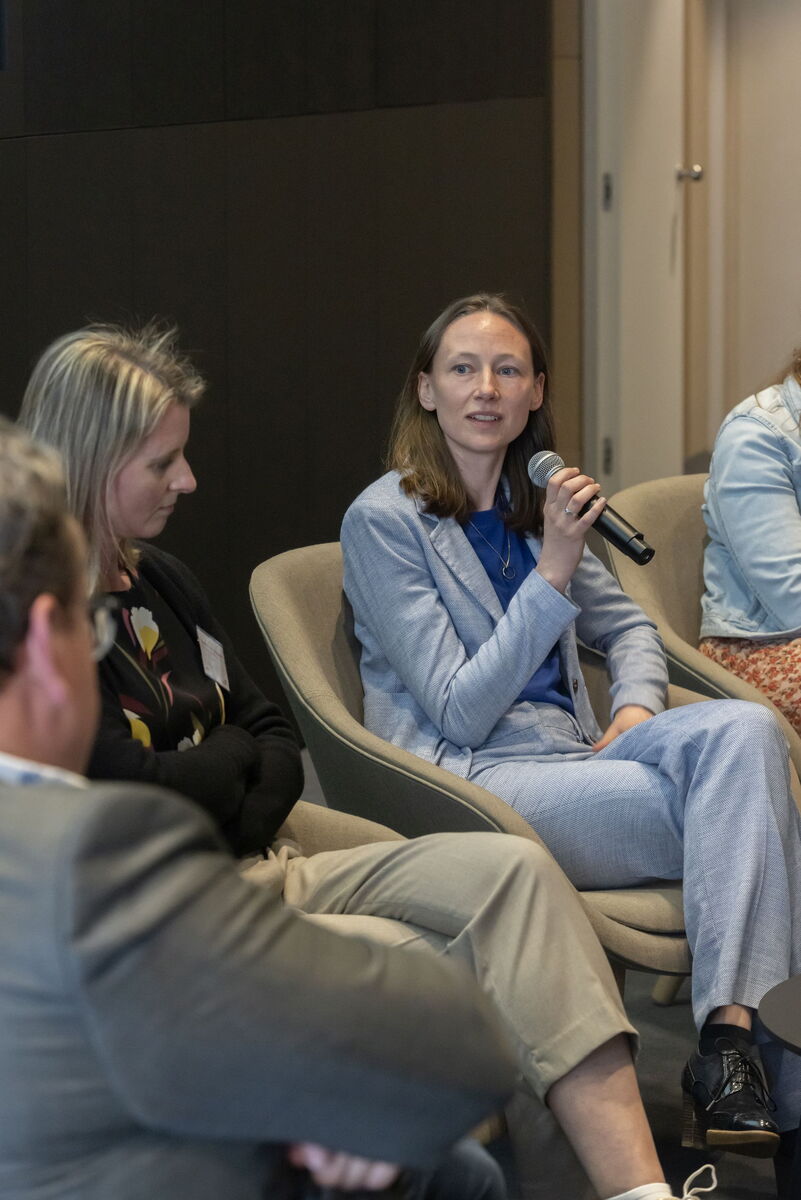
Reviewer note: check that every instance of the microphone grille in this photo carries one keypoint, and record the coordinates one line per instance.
(541, 467)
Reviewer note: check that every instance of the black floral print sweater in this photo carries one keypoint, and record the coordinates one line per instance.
(165, 722)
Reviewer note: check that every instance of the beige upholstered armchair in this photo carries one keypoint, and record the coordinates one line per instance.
(299, 604)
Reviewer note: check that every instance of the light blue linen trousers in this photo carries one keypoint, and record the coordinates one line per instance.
(700, 793)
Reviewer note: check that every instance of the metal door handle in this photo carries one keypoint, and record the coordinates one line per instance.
(695, 172)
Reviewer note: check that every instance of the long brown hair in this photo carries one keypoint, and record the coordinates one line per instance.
(417, 446)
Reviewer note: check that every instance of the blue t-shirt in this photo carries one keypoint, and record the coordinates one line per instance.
(545, 685)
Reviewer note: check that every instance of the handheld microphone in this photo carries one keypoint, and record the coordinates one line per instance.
(610, 525)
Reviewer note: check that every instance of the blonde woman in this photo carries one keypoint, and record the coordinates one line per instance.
(179, 709)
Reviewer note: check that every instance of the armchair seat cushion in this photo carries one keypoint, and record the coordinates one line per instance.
(654, 909)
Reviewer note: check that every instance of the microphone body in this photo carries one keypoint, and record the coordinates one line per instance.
(611, 526)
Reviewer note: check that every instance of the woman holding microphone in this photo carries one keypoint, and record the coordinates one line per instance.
(470, 590)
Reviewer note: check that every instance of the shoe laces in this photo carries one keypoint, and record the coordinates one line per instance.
(687, 1192)
(740, 1072)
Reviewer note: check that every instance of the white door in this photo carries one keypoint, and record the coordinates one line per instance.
(633, 247)
(762, 284)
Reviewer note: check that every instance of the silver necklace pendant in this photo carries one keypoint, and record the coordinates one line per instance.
(507, 570)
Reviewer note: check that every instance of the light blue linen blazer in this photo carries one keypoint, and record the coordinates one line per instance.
(442, 665)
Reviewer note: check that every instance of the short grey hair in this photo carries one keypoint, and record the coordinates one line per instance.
(37, 542)
(95, 395)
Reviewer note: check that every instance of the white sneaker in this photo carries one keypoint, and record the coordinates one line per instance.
(687, 1193)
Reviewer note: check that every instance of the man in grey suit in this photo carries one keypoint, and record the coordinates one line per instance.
(166, 1027)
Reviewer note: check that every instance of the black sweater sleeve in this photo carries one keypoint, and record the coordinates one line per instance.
(247, 772)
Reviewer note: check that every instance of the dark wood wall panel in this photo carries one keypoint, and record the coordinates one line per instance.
(301, 256)
(305, 57)
(179, 274)
(271, 495)
(77, 64)
(522, 47)
(79, 233)
(415, 65)
(343, 288)
(264, 64)
(177, 61)
(15, 351)
(439, 51)
(268, 342)
(492, 180)
(101, 64)
(340, 55)
(12, 78)
(464, 206)
(410, 227)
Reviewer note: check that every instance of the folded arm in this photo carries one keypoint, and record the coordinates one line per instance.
(246, 773)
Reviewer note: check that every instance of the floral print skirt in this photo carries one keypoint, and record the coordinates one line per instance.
(772, 667)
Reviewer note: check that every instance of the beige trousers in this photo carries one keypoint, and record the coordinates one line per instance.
(500, 905)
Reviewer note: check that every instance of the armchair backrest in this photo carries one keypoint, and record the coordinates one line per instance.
(307, 624)
(669, 588)
(306, 610)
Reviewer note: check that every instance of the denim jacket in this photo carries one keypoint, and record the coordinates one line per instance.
(752, 509)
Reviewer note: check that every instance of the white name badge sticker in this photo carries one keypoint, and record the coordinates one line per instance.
(213, 656)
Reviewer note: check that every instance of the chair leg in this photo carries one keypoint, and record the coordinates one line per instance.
(666, 989)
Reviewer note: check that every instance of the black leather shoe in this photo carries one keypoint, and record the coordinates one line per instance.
(727, 1103)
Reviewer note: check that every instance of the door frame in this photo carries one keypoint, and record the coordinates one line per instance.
(574, 299)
